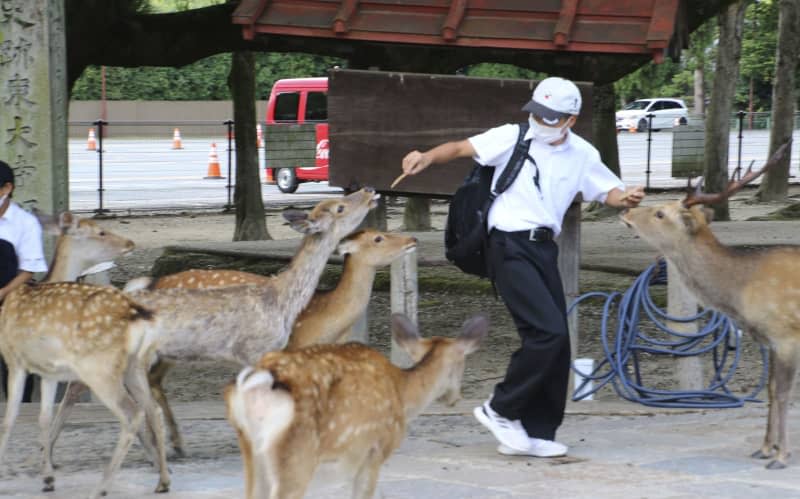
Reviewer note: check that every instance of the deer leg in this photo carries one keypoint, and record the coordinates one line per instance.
(16, 387)
(156, 379)
(113, 394)
(768, 447)
(785, 371)
(71, 396)
(48, 400)
(137, 384)
(247, 462)
(366, 477)
(290, 474)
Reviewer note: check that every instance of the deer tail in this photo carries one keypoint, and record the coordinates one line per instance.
(138, 283)
(260, 407)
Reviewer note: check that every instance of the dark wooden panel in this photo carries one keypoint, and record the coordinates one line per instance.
(376, 118)
(289, 146)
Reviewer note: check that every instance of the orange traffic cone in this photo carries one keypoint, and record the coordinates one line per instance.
(259, 136)
(213, 163)
(91, 142)
(633, 129)
(269, 177)
(176, 139)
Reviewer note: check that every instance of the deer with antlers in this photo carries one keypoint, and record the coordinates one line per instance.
(241, 323)
(339, 403)
(760, 290)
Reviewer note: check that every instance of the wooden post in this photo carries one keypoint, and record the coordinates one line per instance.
(569, 260)
(681, 303)
(404, 298)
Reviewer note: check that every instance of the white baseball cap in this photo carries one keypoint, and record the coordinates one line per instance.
(554, 98)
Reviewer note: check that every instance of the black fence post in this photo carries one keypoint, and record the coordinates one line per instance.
(647, 172)
(229, 123)
(738, 172)
(100, 211)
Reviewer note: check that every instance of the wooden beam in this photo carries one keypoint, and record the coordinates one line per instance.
(453, 20)
(344, 14)
(566, 19)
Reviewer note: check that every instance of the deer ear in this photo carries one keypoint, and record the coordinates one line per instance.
(48, 222)
(405, 333)
(299, 221)
(473, 332)
(691, 219)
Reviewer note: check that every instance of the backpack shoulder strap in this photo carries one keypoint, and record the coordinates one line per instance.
(515, 163)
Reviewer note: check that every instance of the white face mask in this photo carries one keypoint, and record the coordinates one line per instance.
(546, 134)
(3, 199)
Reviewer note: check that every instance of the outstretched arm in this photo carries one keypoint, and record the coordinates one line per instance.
(629, 198)
(416, 161)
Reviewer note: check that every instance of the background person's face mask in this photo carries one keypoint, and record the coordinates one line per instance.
(546, 134)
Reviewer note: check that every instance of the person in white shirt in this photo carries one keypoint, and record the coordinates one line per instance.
(21, 252)
(527, 407)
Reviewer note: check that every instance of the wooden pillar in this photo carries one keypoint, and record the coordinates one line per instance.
(569, 261)
(681, 303)
(404, 298)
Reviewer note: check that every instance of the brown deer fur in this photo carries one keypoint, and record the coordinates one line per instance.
(98, 335)
(328, 317)
(339, 403)
(241, 323)
(760, 290)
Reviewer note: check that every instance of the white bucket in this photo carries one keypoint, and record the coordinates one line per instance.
(583, 368)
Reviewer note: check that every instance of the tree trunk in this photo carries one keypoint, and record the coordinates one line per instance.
(775, 184)
(699, 92)
(604, 126)
(417, 214)
(731, 21)
(251, 222)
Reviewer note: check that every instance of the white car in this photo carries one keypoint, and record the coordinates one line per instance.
(666, 114)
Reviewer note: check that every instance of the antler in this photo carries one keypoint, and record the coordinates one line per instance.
(699, 197)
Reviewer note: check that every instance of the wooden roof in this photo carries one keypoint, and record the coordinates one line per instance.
(636, 27)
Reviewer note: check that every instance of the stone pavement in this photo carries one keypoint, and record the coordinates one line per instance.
(617, 449)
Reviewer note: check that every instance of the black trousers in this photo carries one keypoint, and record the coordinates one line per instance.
(9, 267)
(526, 276)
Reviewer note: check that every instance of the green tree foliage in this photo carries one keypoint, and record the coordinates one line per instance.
(758, 53)
(203, 80)
(670, 79)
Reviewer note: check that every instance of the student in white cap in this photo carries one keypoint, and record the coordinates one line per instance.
(527, 407)
(21, 252)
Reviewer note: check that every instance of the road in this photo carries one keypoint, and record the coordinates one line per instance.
(148, 173)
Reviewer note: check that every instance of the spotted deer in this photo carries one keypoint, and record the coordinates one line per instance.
(759, 289)
(241, 323)
(339, 403)
(81, 246)
(93, 334)
(328, 317)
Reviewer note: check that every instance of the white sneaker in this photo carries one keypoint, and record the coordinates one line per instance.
(538, 448)
(509, 433)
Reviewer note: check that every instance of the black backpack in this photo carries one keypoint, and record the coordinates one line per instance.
(465, 236)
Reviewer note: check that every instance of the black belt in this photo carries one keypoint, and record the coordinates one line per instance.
(539, 234)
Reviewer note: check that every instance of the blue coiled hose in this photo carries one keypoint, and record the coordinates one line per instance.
(718, 335)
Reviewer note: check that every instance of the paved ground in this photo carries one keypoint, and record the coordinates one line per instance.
(617, 449)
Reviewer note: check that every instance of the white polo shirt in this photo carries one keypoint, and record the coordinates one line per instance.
(23, 231)
(564, 171)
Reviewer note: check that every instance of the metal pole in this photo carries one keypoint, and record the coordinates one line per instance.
(738, 172)
(99, 212)
(229, 206)
(649, 140)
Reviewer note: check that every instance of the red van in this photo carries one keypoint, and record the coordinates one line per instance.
(298, 101)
